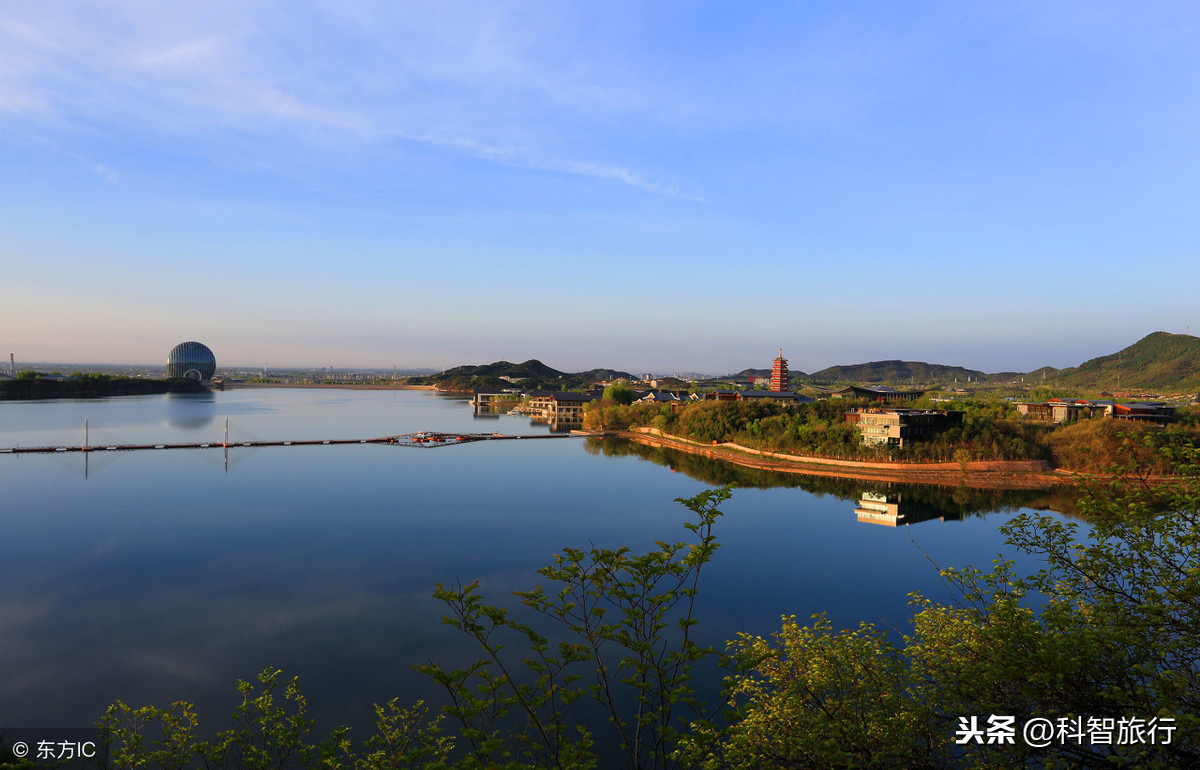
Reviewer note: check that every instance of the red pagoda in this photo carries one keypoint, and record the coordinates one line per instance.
(779, 374)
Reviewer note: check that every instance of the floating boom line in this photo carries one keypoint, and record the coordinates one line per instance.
(422, 440)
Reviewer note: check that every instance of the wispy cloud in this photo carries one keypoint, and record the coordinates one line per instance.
(496, 82)
(103, 171)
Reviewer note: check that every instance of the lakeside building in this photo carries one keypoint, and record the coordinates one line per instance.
(191, 360)
(568, 407)
(898, 427)
(559, 409)
(1060, 410)
(484, 399)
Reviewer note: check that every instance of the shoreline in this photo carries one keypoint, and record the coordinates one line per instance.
(329, 386)
(1020, 474)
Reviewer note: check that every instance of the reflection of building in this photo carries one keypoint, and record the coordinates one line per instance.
(779, 374)
(561, 410)
(191, 360)
(1068, 409)
(892, 510)
(898, 427)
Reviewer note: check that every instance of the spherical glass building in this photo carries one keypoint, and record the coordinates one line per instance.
(192, 360)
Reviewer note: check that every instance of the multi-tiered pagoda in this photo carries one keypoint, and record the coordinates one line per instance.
(779, 374)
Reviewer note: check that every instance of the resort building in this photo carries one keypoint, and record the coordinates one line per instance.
(881, 394)
(722, 395)
(1069, 409)
(752, 395)
(899, 427)
(567, 407)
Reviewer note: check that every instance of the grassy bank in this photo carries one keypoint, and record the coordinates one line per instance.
(990, 432)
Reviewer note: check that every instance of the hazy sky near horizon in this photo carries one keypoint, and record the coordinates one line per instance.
(667, 186)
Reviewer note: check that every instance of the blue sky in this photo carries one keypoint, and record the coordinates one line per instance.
(667, 186)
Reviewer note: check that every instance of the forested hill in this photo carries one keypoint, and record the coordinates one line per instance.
(531, 374)
(754, 374)
(1159, 362)
(896, 372)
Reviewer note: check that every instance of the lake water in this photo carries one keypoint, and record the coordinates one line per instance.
(151, 577)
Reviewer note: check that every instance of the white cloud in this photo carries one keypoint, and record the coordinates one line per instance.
(499, 82)
(103, 171)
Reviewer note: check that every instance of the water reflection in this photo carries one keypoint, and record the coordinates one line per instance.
(162, 578)
(190, 411)
(894, 510)
(910, 503)
(556, 423)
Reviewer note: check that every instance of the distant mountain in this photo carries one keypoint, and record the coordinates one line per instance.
(753, 374)
(531, 374)
(530, 368)
(603, 375)
(1160, 362)
(897, 372)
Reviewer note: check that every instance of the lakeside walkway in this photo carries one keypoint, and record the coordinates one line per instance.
(990, 474)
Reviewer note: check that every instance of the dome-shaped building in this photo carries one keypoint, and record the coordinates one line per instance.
(192, 360)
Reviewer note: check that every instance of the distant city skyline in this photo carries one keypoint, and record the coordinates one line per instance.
(676, 186)
(656, 370)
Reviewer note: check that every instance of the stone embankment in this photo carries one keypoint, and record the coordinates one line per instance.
(1011, 474)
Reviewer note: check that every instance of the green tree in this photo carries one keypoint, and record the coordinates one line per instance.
(1109, 630)
(619, 393)
(626, 645)
(627, 625)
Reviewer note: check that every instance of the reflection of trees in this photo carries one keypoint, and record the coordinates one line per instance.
(951, 502)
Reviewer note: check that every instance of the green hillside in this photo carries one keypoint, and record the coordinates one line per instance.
(896, 372)
(531, 374)
(1159, 362)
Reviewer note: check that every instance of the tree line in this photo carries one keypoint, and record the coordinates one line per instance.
(990, 430)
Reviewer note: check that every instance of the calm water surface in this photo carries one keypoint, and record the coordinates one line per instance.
(152, 577)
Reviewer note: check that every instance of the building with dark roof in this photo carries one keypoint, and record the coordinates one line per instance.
(881, 393)
(1069, 409)
(756, 395)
